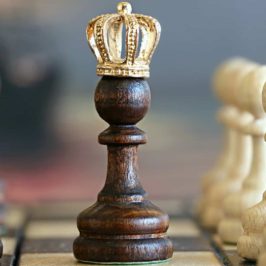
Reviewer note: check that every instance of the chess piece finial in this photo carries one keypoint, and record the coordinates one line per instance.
(105, 32)
(123, 226)
(249, 245)
(227, 83)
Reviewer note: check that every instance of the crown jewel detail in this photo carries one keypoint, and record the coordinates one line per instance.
(105, 38)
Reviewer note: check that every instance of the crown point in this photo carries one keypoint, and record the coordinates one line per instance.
(124, 8)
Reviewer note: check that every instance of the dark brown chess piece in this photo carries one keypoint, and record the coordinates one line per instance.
(2, 77)
(122, 226)
(1, 249)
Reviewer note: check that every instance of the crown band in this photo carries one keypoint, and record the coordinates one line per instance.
(123, 71)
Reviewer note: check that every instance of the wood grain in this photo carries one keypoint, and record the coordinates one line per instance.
(122, 226)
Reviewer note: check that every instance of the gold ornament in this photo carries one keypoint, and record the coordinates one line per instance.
(142, 34)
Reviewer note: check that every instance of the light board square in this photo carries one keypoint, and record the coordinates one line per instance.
(67, 259)
(52, 229)
(183, 227)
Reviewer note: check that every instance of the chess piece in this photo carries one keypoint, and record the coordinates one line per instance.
(2, 79)
(212, 212)
(122, 226)
(230, 228)
(262, 255)
(228, 154)
(30, 85)
(249, 245)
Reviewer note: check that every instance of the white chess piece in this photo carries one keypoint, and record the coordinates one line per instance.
(212, 211)
(249, 245)
(262, 256)
(224, 116)
(230, 228)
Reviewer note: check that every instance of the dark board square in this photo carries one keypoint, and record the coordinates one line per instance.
(7, 260)
(191, 244)
(234, 258)
(59, 245)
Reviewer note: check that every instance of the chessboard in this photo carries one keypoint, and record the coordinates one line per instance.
(42, 235)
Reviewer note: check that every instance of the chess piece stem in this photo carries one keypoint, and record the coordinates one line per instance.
(228, 153)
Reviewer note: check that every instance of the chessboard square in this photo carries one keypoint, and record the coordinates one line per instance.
(52, 229)
(9, 245)
(194, 258)
(183, 227)
(7, 260)
(171, 207)
(67, 259)
(59, 210)
(48, 259)
(15, 217)
(191, 244)
(48, 245)
(235, 259)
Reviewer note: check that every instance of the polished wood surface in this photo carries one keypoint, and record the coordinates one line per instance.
(122, 226)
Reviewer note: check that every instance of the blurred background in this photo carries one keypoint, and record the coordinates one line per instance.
(48, 124)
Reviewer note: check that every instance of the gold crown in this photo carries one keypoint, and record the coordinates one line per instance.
(142, 34)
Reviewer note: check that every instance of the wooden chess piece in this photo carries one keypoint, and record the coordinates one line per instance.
(249, 245)
(212, 212)
(1, 248)
(262, 255)
(122, 226)
(230, 229)
(2, 78)
(224, 115)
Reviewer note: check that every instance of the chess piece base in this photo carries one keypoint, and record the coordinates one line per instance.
(230, 229)
(125, 263)
(122, 232)
(213, 213)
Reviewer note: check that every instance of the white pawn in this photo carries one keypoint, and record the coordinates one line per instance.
(253, 220)
(212, 211)
(224, 115)
(230, 228)
(262, 256)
